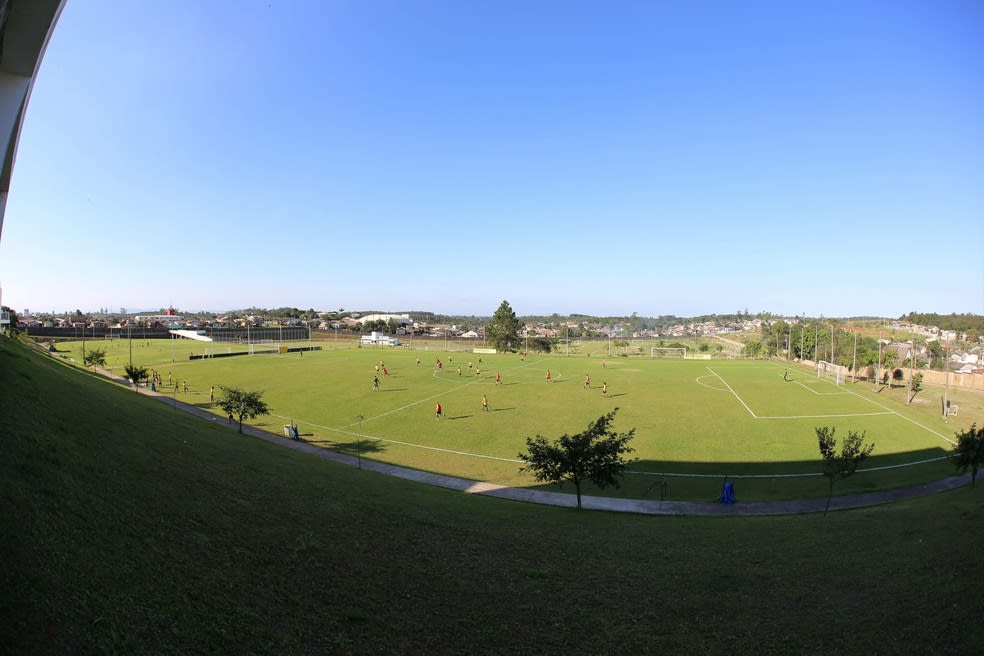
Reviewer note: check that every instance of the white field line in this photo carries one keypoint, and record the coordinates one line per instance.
(733, 392)
(410, 444)
(913, 421)
(813, 391)
(852, 414)
(716, 389)
(345, 429)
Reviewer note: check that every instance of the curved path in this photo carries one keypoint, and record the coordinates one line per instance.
(639, 506)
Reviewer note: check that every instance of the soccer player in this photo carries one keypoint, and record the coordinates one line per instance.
(604, 389)
(386, 371)
(498, 378)
(587, 381)
(549, 377)
(438, 410)
(211, 394)
(485, 403)
(375, 383)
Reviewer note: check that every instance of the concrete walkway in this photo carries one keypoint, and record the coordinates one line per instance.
(528, 495)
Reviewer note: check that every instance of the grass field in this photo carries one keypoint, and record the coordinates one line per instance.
(129, 528)
(696, 420)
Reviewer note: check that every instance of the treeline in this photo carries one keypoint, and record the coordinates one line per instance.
(972, 324)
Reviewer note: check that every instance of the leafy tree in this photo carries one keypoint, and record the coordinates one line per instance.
(240, 404)
(502, 330)
(595, 455)
(135, 373)
(541, 344)
(840, 465)
(968, 453)
(898, 375)
(753, 348)
(916, 385)
(95, 358)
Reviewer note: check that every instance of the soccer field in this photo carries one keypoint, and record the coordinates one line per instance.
(695, 420)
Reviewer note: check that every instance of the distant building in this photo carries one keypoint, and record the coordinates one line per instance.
(379, 339)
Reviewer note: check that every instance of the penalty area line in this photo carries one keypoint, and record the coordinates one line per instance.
(853, 414)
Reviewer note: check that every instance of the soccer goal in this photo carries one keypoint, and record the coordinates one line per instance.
(835, 372)
(674, 352)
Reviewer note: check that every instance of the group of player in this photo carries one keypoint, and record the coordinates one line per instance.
(439, 366)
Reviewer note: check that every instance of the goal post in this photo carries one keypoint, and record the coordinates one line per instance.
(834, 372)
(667, 352)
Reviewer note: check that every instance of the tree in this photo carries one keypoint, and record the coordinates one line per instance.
(595, 455)
(240, 404)
(502, 330)
(840, 465)
(968, 453)
(898, 375)
(135, 373)
(95, 358)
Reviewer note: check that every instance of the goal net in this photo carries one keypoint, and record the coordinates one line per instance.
(835, 372)
(674, 352)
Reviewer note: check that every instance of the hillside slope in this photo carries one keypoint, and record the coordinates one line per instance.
(130, 527)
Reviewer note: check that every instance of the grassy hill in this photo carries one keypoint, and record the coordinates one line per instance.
(130, 527)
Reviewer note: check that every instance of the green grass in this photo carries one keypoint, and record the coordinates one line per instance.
(129, 527)
(695, 421)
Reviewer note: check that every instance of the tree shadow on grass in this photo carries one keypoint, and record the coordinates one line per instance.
(356, 447)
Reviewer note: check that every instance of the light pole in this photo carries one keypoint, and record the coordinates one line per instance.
(878, 371)
(816, 345)
(129, 333)
(854, 358)
(946, 382)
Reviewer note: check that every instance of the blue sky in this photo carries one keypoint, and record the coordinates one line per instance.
(571, 157)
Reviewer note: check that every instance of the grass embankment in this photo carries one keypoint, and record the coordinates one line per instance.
(129, 527)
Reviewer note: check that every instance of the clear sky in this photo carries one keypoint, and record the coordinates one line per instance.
(572, 157)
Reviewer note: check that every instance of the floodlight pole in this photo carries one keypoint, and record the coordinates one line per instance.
(801, 342)
(912, 358)
(816, 345)
(854, 358)
(129, 332)
(946, 381)
(878, 371)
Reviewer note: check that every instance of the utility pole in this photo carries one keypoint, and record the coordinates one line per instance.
(854, 358)
(912, 358)
(878, 371)
(801, 342)
(816, 345)
(946, 383)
